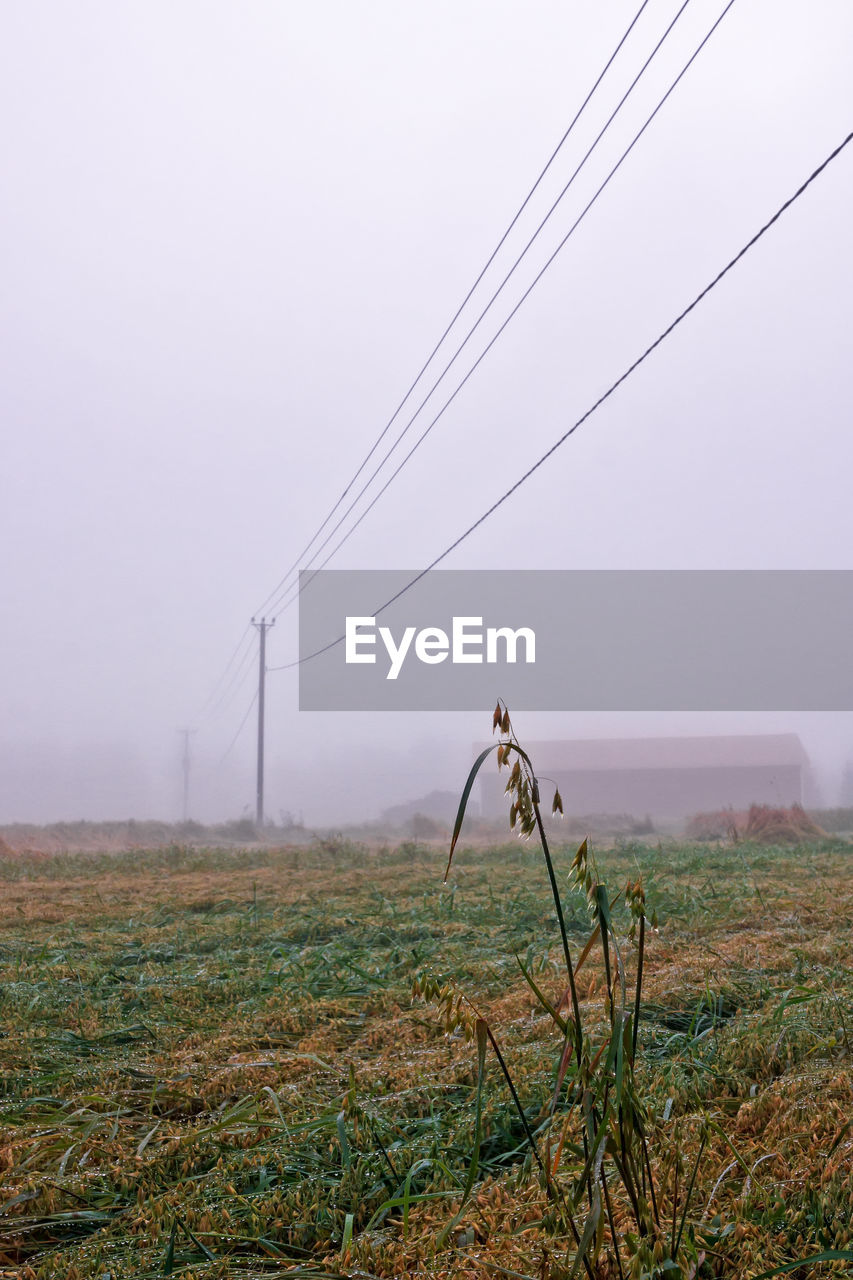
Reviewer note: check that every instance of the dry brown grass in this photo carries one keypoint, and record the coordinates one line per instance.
(236, 984)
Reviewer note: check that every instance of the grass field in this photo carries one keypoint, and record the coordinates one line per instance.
(213, 1063)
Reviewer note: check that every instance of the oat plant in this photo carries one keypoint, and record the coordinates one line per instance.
(618, 1184)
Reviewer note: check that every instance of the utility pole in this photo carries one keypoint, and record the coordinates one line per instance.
(262, 628)
(186, 766)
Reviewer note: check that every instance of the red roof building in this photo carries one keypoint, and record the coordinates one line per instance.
(661, 777)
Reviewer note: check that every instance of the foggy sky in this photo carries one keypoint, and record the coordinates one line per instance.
(233, 233)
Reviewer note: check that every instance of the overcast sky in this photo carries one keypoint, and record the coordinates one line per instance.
(232, 233)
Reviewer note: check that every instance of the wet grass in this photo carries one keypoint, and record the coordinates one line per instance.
(212, 1063)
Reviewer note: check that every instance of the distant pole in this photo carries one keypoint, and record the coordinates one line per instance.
(262, 628)
(186, 766)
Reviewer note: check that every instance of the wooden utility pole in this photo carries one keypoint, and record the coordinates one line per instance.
(262, 628)
(186, 766)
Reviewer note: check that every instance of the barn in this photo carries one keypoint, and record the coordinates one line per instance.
(661, 777)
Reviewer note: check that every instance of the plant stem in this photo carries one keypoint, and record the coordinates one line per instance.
(613, 1232)
(642, 948)
(564, 936)
(690, 1190)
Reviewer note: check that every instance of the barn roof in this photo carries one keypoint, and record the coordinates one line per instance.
(602, 754)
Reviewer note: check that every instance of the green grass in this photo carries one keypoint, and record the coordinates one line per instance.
(217, 1053)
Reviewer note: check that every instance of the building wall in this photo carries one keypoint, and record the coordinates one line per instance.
(658, 792)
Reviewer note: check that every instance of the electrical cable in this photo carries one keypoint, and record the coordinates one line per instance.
(476, 325)
(300, 586)
(203, 710)
(274, 593)
(600, 401)
(242, 726)
(234, 683)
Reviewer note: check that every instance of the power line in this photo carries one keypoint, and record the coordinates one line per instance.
(237, 679)
(211, 703)
(300, 586)
(600, 401)
(460, 308)
(235, 739)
